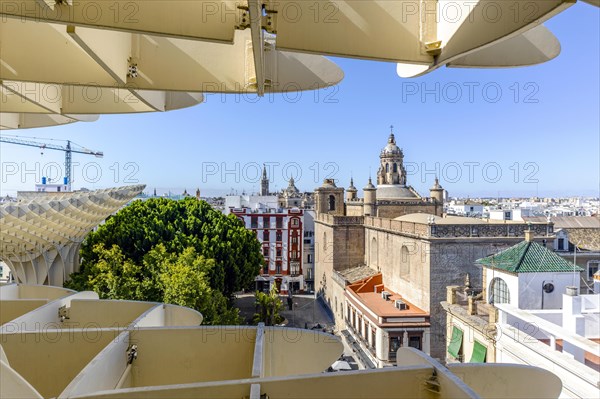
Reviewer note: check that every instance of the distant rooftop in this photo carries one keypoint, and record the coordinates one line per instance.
(528, 257)
(369, 292)
(568, 222)
(452, 220)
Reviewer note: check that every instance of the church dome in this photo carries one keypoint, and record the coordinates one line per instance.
(391, 148)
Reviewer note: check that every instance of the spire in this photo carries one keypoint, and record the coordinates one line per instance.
(352, 188)
(264, 182)
(392, 138)
(436, 184)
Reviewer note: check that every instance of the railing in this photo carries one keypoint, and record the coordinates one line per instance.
(535, 340)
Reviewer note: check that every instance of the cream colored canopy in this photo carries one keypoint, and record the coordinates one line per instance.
(57, 343)
(73, 58)
(40, 235)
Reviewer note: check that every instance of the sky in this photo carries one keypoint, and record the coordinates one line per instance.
(531, 131)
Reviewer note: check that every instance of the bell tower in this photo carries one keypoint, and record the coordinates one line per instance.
(264, 182)
(391, 169)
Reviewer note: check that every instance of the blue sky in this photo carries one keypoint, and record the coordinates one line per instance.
(540, 135)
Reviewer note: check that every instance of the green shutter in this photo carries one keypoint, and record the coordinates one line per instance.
(479, 352)
(455, 342)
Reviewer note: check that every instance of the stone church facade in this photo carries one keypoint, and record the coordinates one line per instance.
(395, 232)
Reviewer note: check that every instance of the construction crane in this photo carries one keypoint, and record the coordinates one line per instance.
(68, 150)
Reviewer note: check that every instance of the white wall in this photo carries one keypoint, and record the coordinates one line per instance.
(531, 293)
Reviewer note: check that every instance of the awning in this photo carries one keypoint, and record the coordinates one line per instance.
(455, 342)
(479, 352)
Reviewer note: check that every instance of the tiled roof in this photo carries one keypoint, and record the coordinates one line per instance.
(528, 257)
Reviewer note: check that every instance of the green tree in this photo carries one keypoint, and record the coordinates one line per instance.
(268, 306)
(184, 281)
(142, 225)
(182, 252)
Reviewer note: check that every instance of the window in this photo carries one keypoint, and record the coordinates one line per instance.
(279, 223)
(455, 344)
(295, 222)
(307, 241)
(414, 340)
(507, 215)
(265, 251)
(254, 222)
(561, 244)
(387, 167)
(294, 255)
(278, 236)
(499, 291)
(332, 203)
(266, 222)
(373, 338)
(278, 267)
(592, 268)
(294, 240)
(479, 353)
(266, 235)
(395, 343)
(309, 258)
(405, 263)
(278, 252)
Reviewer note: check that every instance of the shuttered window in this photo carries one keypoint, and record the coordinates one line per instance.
(479, 352)
(455, 342)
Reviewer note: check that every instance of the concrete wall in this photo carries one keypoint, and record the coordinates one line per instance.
(336, 248)
(354, 208)
(394, 210)
(424, 268)
(531, 292)
(403, 262)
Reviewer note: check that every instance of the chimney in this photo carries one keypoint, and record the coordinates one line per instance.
(471, 306)
(451, 294)
(529, 233)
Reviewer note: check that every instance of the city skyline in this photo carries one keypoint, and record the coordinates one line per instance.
(526, 132)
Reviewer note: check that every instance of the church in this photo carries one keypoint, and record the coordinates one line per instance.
(383, 261)
(391, 198)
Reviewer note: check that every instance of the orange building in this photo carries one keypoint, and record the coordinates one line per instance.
(381, 321)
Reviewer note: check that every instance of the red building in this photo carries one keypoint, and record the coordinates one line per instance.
(281, 233)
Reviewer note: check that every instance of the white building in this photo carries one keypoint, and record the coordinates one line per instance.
(516, 214)
(253, 202)
(530, 313)
(465, 208)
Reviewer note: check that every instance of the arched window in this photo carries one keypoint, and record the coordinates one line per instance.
(332, 203)
(324, 241)
(395, 167)
(387, 167)
(404, 262)
(499, 292)
(374, 252)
